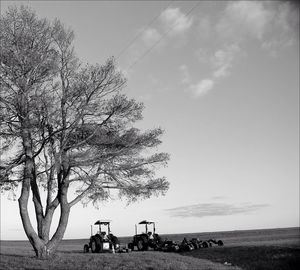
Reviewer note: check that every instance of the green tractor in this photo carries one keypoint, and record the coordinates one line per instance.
(147, 239)
(103, 241)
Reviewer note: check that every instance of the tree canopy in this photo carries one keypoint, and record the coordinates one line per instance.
(67, 124)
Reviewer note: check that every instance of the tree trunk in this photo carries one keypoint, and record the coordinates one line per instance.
(40, 242)
(43, 248)
(37, 243)
(29, 173)
(60, 231)
(45, 225)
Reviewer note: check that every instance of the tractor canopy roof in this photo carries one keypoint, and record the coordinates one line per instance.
(103, 222)
(146, 222)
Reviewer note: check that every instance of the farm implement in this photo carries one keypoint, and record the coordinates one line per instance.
(151, 240)
(187, 245)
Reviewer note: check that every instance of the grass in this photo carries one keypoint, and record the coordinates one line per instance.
(253, 257)
(275, 249)
(135, 260)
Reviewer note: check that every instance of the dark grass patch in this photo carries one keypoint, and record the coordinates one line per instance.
(275, 249)
(135, 260)
(252, 257)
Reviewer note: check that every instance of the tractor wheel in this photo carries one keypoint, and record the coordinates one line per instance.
(114, 240)
(140, 245)
(220, 243)
(205, 244)
(195, 245)
(86, 248)
(131, 246)
(94, 245)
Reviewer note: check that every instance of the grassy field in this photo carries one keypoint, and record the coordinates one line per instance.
(256, 249)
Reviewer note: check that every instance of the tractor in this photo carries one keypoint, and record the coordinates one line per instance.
(145, 239)
(102, 241)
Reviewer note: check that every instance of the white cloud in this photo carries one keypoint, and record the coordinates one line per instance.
(243, 18)
(197, 90)
(202, 87)
(171, 19)
(223, 60)
(151, 36)
(175, 19)
(274, 24)
(284, 29)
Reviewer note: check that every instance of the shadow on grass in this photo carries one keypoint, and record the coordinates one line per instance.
(17, 255)
(71, 251)
(252, 258)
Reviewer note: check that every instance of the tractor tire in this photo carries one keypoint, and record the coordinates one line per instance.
(114, 240)
(220, 243)
(86, 248)
(131, 246)
(140, 245)
(157, 239)
(205, 244)
(95, 245)
(195, 245)
(191, 247)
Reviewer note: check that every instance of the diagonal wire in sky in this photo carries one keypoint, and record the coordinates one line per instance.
(163, 36)
(143, 30)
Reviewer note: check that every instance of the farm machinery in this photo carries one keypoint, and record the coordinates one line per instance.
(188, 245)
(197, 243)
(103, 241)
(147, 239)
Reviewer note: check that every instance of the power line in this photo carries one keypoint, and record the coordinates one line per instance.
(164, 35)
(143, 30)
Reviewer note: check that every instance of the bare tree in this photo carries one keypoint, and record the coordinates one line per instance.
(66, 126)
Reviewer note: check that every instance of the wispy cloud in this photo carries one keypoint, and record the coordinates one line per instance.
(175, 19)
(172, 23)
(283, 30)
(214, 209)
(223, 60)
(274, 24)
(218, 197)
(195, 89)
(150, 36)
(202, 87)
(244, 18)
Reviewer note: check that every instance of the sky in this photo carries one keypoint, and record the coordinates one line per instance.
(222, 79)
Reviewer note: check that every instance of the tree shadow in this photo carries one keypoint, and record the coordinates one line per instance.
(70, 251)
(17, 255)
